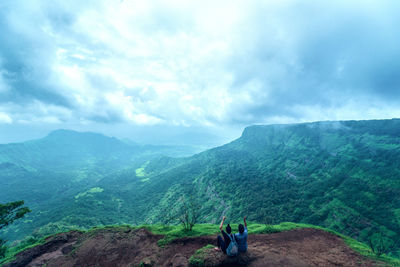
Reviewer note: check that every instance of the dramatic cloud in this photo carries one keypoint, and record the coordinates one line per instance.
(209, 65)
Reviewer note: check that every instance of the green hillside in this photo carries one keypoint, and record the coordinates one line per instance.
(340, 175)
(65, 165)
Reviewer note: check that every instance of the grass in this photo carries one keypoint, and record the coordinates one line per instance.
(171, 232)
(26, 244)
(89, 192)
(13, 251)
(197, 259)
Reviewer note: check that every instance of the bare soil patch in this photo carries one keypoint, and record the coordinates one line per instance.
(126, 247)
(299, 247)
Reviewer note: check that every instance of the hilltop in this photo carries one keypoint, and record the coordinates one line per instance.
(126, 246)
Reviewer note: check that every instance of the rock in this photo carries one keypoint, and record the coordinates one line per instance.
(179, 261)
(67, 249)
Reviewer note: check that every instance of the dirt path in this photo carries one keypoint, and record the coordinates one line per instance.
(119, 247)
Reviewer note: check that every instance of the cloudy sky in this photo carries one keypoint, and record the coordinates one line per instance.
(158, 70)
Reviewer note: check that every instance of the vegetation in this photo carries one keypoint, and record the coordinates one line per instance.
(188, 212)
(197, 259)
(10, 212)
(339, 175)
(380, 244)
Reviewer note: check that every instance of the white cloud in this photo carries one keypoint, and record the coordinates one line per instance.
(200, 63)
(5, 118)
(172, 66)
(34, 112)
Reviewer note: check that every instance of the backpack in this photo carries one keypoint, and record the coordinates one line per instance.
(232, 249)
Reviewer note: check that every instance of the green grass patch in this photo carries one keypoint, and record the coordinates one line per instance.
(13, 251)
(140, 172)
(197, 259)
(172, 232)
(26, 244)
(89, 192)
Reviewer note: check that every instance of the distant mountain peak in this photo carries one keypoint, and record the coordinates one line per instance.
(64, 134)
(67, 132)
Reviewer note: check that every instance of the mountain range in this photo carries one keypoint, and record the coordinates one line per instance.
(342, 175)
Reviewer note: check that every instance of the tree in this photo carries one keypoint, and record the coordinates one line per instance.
(380, 244)
(10, 212)
(188, 213)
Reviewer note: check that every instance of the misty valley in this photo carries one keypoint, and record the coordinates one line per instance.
(344, 176)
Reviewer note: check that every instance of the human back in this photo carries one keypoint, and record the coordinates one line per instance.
(241, 237)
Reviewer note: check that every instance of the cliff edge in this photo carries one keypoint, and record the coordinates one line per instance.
(124, 246)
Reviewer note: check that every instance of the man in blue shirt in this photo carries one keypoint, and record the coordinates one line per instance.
(241, 237)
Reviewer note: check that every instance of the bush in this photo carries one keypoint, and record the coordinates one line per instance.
(380, 244)
(3, 248)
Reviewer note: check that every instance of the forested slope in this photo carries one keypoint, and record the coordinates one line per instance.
(340, 175)
(52, 173)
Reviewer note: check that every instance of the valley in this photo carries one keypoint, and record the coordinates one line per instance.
(344, 176)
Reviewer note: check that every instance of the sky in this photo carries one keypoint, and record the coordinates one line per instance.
(194, 72)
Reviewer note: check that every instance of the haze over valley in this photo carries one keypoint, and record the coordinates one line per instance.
(152, 120)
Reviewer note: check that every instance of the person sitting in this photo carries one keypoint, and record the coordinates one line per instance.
(223, 243)
(241, 237)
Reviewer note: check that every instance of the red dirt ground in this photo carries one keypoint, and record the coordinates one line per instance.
(116, 247)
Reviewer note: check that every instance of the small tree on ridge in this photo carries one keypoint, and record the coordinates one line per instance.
(10, 212)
